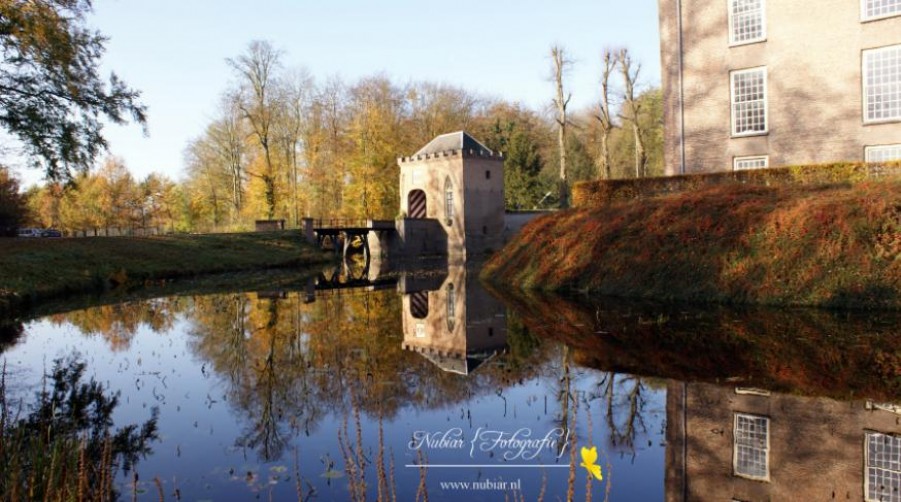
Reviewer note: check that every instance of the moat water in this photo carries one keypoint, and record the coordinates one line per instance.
(430, 386)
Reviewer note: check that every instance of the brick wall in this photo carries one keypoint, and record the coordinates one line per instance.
(812, 53)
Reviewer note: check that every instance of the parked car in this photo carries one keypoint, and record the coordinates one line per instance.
(51, 232)
(29, 232)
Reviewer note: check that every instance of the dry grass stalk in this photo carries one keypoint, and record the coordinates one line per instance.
(159, 488)
(422, 492)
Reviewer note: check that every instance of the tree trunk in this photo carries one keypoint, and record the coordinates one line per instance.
(561, 102)
(641, 158)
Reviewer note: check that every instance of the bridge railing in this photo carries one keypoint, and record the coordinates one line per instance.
(340, 223)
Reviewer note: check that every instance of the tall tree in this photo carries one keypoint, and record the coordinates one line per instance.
(226, 138)
(604, 115)
(377, 116)
(325, 145)
(255, 99)
(439, 109)
(632, 108)
(561, 102)
(119, 201)
(517, 133)
(294, 91)
(52, 98)
(13, 209)
(44, 205)
(206, 185)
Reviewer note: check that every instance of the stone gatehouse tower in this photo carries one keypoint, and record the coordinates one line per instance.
(452, 188)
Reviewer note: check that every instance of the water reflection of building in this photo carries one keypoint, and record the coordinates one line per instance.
(454, 323)
(727, 443)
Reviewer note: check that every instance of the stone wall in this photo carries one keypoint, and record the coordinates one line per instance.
(412, 238)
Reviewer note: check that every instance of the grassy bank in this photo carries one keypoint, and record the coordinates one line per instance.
(826, 245)
(33, 270)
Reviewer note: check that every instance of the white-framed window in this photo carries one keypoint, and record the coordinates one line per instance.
(883, 467)
(747, 21)
(749, 101)
(750, 162)
(882, 153)
(751, 448)
(878, 9)
(882, 84)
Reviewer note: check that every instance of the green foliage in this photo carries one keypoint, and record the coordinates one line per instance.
(522, 342)
(66, 447)
(51, 95)
(523, 161)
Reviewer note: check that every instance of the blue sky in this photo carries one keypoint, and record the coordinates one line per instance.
(174, 51)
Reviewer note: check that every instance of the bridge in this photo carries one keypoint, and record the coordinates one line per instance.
(340, 233)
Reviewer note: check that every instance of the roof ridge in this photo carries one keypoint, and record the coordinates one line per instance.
(456, 140)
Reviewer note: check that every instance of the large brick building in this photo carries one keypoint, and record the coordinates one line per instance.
(759, 83)
(749, 444)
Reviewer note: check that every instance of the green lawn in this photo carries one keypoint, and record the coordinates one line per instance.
(32, 270)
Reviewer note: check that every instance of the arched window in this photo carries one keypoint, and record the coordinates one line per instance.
(451, 307)
(449, 200)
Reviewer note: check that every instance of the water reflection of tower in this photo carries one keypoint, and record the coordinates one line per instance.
(727, 443)
(454, 323)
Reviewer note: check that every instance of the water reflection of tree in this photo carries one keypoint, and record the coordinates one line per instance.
(288, 364)
(119, 323)
(11, 332)
(65, 448)
(624, 408)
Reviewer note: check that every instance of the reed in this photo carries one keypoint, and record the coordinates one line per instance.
(65, 447)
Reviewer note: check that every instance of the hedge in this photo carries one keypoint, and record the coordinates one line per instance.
(598, 193)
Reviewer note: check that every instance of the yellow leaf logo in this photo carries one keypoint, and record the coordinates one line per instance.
(589, 462)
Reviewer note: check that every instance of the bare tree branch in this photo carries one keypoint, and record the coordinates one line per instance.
(630, 71)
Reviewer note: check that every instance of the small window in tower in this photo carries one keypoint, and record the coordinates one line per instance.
(448, 201)
(485, 230)
(487, 175)
(490, 331)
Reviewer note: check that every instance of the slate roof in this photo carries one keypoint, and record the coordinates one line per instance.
(460, 140)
